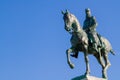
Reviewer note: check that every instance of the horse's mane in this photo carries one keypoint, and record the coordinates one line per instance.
(76, 20)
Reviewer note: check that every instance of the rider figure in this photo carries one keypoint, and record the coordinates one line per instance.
(89, 26)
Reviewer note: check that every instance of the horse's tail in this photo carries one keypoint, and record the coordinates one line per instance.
(112, 52)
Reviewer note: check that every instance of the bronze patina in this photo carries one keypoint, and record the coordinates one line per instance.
(87, 40)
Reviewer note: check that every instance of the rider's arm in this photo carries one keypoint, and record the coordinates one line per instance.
(94, 23)
(85, 25)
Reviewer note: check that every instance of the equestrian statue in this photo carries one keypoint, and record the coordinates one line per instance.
(85, 39)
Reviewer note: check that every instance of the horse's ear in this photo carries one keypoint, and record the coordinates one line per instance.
(62, 12)
(67, 11)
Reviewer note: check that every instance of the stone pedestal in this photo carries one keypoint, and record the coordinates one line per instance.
(83, 77)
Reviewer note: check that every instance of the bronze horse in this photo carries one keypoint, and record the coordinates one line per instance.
(79, 42)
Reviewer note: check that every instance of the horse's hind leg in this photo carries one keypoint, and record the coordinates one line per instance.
(68, 51)
(107, 64)
(86, 60)
(100, 61)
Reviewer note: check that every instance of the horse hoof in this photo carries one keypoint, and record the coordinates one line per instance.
(104, 76)
(87, 73)
(72, 66)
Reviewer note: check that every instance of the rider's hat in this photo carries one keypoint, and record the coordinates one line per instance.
(87, 10)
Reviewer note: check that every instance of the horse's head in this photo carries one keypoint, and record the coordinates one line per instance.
(67, 17)
(70, 21)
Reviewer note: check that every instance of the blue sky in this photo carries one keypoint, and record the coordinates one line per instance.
(33, 40)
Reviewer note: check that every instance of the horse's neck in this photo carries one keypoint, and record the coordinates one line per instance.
(78, 27)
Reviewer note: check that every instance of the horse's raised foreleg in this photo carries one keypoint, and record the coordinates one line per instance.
(68, 58)
(86, 61)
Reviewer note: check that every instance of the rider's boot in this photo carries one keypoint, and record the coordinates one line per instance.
(95, 47)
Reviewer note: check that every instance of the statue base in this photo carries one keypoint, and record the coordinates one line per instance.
(83, 77)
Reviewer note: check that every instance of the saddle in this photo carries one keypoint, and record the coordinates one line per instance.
(96, 42)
